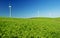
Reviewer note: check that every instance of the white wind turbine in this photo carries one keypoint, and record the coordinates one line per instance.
(50, 14)
(10, 10)
(38, 13)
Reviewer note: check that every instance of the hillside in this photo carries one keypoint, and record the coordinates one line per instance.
(29, 27)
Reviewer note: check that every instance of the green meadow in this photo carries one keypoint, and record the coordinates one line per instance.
(29, 27)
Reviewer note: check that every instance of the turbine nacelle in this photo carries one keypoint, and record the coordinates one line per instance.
(10, 6)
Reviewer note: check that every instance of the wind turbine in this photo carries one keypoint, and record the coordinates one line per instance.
(38, 13)
(50, 14)
(10, 10)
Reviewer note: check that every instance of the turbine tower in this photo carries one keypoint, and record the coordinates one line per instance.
(38, 13)
(50, 14)
(10, 10)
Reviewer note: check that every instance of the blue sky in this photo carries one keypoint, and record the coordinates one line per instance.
(29, 8)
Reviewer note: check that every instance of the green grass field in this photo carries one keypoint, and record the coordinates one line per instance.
(29, 27)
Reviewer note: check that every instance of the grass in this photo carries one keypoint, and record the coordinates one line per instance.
(29, 27)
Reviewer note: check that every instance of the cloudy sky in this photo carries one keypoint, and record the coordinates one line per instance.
(30, 8)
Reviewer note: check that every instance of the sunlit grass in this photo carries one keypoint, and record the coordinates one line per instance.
(30, 28)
